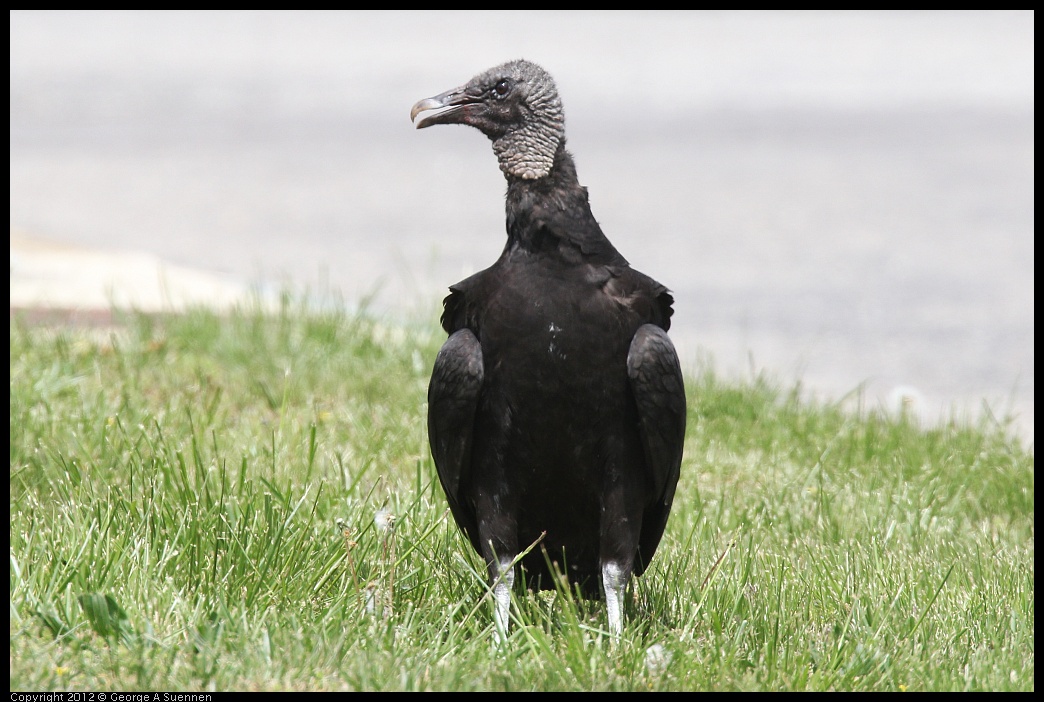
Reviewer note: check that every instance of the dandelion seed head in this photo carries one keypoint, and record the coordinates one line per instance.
(657, 658)
(384, 520)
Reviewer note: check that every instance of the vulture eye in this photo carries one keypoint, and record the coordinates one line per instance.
(502, 88)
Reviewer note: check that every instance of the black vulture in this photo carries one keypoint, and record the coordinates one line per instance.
(556, 407)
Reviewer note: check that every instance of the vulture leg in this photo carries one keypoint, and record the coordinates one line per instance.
(628, 543)
(503, 581)
(614, 582)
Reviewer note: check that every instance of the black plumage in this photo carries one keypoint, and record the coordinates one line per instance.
(556, 406)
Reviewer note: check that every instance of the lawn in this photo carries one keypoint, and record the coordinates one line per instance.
(246, 501)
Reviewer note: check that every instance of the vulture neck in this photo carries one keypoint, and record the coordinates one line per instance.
(551, 216)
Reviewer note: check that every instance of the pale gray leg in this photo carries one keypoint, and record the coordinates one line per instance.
(502, 598)
(614, 582)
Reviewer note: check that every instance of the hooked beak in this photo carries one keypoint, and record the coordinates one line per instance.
(456, 101)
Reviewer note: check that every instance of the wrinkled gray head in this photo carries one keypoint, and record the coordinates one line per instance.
(516, 105)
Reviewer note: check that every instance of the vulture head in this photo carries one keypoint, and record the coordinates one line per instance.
(516, 105)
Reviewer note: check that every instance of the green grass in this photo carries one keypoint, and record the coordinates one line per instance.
(193, 503)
